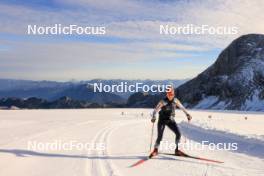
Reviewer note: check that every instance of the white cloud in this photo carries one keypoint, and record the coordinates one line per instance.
(74, 53)
(134, 20)
(141, 19)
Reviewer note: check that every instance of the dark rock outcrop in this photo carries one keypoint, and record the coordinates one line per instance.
(235, 81)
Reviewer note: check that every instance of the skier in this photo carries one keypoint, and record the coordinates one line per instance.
(166, 109)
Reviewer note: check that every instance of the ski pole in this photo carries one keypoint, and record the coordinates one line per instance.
(151, 139)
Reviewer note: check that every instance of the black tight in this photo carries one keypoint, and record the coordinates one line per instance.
(173, 126)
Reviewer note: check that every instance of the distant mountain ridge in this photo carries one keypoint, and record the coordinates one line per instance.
(65, 95)
(61, 103)
(52, 90)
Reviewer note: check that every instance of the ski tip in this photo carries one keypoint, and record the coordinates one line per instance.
(138, 162)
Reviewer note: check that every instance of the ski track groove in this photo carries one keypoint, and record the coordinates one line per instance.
(102, 166)
(105, 168)
(94, 165)
(107, 163)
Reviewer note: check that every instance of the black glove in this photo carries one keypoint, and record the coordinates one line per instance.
(189, 117)
(153, 119)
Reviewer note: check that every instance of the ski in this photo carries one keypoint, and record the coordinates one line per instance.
(182, 154)
(143, 160)
(140, 162)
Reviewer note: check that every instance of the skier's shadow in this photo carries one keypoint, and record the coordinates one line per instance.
(30, 153)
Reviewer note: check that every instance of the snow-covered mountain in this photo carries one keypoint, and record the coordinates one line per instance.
(235, 81)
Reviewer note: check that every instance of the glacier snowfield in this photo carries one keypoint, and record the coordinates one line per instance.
(125, 135)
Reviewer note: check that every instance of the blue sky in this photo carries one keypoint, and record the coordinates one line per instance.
(132, 47)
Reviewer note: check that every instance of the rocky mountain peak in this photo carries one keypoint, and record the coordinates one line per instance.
(234, 81)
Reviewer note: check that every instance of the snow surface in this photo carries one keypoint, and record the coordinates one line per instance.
(254, 103)
(207, 102)
(127, 139)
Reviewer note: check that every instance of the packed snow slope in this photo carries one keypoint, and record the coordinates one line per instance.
(125, 134)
